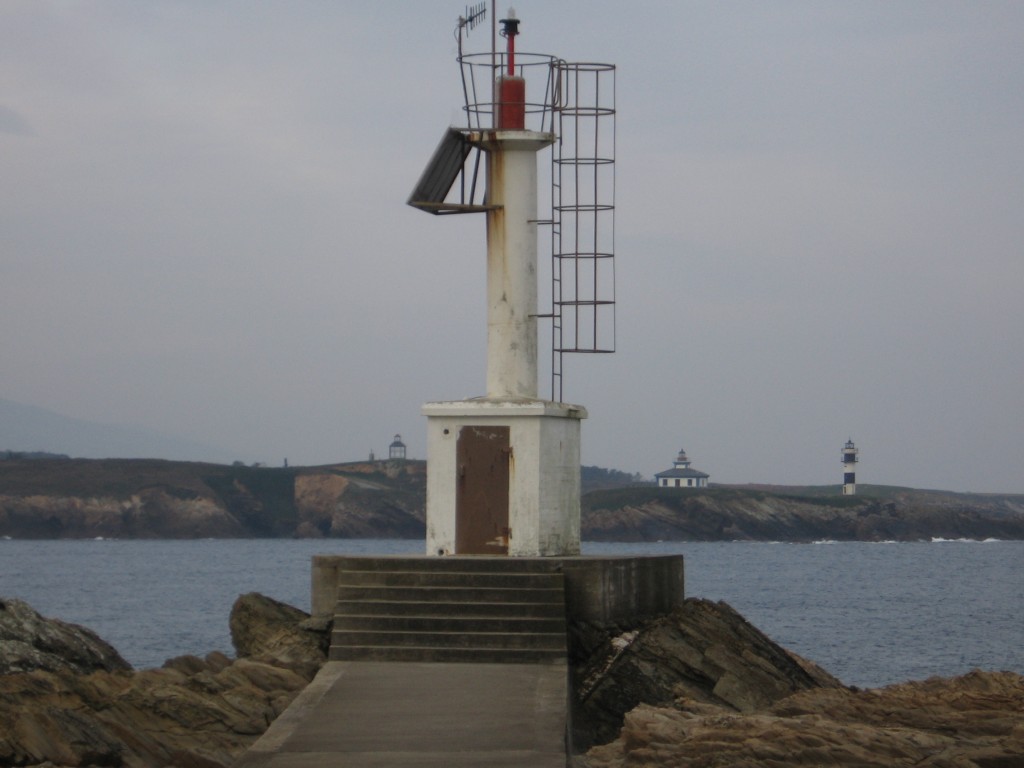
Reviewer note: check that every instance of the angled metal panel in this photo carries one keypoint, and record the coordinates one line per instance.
(442, 170)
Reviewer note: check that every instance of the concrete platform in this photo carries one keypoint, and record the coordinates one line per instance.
(373, 714)
(602, 589)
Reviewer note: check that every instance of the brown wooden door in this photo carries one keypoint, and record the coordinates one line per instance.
(481, 498)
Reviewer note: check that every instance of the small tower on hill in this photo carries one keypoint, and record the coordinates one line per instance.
(396, 451)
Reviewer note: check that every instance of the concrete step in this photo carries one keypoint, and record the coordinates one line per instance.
(461, 563)
(452, 594)
(426, 610)
(448, 655)
(450, 639)
(447, 623)
(436, 578)
(465, 609)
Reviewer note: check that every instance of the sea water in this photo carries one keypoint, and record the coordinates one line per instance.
(869, 613)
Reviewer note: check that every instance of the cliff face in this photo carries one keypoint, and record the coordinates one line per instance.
(726, 514)
(356, 506)
(77, 498)
(162, 499)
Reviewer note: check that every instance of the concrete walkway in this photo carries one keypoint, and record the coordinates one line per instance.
(362, 714)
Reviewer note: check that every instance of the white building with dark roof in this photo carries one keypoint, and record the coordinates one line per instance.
(682, 475)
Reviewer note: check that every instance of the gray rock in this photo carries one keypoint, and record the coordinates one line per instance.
(700, 687)
(88, 710)
(705, 651)
(29, 642)
(266, 629)
(972, 720)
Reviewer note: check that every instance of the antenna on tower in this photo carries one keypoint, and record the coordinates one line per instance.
(474, 15)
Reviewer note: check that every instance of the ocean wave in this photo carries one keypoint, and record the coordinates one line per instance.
(939, 540)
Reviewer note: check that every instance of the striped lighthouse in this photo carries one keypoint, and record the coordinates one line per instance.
(849, 468)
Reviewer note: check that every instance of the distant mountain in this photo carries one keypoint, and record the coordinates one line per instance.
(26, 429)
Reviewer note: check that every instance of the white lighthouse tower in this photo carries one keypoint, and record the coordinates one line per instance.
(503, 469)
(849, 468)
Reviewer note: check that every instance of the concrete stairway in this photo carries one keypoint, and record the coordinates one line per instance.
(449, 609)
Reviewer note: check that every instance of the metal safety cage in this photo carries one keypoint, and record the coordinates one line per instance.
(480, 73)
(583, 215)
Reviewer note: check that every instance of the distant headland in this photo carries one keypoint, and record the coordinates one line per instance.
(62, 498)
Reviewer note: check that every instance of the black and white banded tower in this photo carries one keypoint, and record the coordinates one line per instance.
(849, 468)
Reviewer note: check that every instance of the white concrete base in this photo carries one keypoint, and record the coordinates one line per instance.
(544, 472)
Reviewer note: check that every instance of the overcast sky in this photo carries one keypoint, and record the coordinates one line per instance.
(819, 230)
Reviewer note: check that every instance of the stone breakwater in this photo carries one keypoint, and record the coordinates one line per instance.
(698, 687)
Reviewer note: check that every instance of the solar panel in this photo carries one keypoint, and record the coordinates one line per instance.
(444, 167)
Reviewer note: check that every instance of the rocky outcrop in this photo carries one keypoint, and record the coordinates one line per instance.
(29, 642)
(704, 688)
(701, 687)
(974, 720)
(193, 712)
(264, 629)
(704, 651)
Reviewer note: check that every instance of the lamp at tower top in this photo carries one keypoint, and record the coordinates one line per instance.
(511, 89)
(495, 82)
(511, 105)
(509, 30)
(850, 452)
